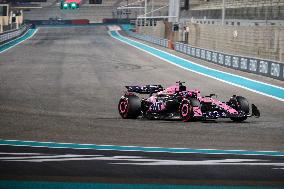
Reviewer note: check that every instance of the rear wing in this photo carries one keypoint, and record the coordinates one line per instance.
(147, 89)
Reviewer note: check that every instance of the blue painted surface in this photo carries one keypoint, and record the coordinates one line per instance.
(18, 40)
(269, 90)
(126, 27)
(135, 148)
(5, 184)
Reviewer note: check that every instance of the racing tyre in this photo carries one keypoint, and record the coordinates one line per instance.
(186, 110)
(241, 104)
(129, 107)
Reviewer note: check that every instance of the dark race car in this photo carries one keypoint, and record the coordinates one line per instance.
(179, 102)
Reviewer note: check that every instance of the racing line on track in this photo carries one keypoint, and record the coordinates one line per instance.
(272, 91)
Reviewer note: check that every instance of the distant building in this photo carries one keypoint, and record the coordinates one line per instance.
(10, 18)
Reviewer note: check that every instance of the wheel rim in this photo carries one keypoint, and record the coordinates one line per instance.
(184, 110)
(123, 107)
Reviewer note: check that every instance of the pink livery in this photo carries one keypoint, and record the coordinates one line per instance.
(179, 102)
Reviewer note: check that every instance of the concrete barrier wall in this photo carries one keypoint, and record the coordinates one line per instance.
(157, 31)
(256, 41)
(266, 42)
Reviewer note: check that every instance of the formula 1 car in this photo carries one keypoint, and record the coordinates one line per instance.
(177, 102)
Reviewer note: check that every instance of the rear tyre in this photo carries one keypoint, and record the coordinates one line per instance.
(240, 104)
(186, 111)
(129, 107)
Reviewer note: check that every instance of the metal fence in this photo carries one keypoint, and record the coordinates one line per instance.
(9, 27)
(264, 67)
(6, 36)
(156, 40)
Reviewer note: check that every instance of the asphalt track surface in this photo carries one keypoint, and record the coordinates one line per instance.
(63, 85)
(83, 165)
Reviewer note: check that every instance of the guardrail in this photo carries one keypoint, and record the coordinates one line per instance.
(156, 40)
(258, 66)
(6, 36)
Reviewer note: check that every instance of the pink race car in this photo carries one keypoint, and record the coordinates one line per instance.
(177, 102)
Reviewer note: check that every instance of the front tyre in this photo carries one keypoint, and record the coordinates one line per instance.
(129, 107)
(240, 104)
